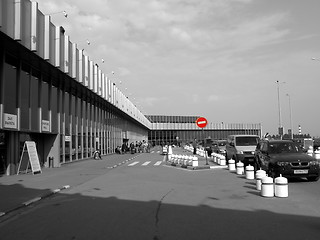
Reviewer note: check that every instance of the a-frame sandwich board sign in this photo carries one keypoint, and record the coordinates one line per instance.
(29, 158)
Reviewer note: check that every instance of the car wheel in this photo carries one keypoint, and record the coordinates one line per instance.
(313, 179)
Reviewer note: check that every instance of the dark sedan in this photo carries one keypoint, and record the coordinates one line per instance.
(286, 158)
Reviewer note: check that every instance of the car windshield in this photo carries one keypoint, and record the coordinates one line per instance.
(284, 147)
(246, 141)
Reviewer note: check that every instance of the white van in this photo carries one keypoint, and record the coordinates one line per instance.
(241, 148)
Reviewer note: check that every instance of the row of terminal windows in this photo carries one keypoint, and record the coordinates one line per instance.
(172, 119)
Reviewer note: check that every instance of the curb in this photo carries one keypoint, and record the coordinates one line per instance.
(196, 168)
(34, 200)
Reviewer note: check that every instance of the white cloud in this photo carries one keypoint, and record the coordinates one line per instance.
(232, 46)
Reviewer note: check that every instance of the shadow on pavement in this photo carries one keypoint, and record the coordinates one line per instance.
(75, 216)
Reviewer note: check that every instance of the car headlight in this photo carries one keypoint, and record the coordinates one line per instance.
(239, 152)
(282, 163)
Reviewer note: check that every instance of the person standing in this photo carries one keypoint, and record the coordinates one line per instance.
(194, 144)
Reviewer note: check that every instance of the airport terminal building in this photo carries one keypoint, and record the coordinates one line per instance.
(54, 95)
(183, 129)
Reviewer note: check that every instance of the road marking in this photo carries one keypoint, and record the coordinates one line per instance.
(158, 163)
(132, 164)
(146, 163)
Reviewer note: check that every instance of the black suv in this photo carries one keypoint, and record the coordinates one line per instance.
(287, 158)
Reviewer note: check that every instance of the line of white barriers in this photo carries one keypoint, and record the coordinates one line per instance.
(215, 157)
(267, 186)
(185, 160)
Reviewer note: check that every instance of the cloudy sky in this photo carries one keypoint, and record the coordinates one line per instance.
(214, 58)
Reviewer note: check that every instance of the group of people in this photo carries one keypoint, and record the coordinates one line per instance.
(208, 148)
(137, 147)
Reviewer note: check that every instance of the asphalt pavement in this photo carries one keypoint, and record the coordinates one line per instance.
(19, 191)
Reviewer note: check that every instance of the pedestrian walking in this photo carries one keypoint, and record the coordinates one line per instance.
(194, 144)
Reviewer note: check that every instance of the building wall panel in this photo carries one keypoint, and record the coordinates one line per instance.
(79, 66)
(86, 71)
(17, 20)
(34, 24)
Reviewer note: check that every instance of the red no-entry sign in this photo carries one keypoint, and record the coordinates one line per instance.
(201, 122)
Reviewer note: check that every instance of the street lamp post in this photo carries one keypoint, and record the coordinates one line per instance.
(280, 129)
(291, 129)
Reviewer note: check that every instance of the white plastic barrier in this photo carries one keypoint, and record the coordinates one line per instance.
(195, 162)
(171, 158)
(201, 153)
(232, 165)
(240, 168)
(222, 161)
(176, 160)
(249, 172)
(190, 159)
(310, 151)
(185, 160)
(267, 188)
(215, 158)
(170, 149)
(281, 187)
(317, 153)
(259, 175)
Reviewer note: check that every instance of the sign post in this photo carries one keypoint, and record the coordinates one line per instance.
(202, 123)
(29, 159)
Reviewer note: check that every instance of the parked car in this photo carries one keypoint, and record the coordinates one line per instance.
(222, 146)
(241, 148)
(287, 158)
(215, 147)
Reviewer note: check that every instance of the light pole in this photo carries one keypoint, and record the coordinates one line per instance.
(280, 129)
(291, 129)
